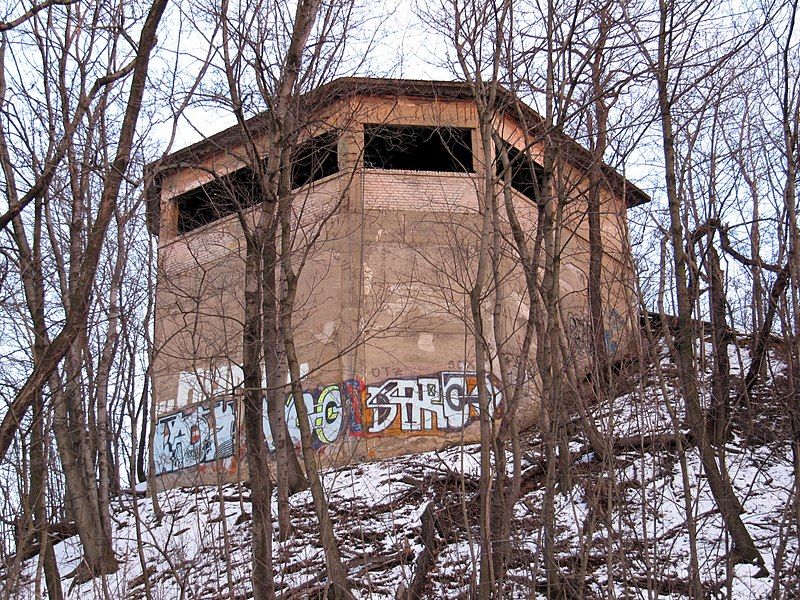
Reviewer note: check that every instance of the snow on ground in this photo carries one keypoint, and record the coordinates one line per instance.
(621, 530)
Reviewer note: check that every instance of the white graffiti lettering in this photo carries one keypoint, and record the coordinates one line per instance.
(198, 435)
(452, 398)
(325, 417)
(207, 431)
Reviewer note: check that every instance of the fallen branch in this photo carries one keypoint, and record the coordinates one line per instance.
(58, 533)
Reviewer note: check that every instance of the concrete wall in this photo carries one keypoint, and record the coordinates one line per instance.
(383, 326)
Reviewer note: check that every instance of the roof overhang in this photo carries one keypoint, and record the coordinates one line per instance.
(351, 87)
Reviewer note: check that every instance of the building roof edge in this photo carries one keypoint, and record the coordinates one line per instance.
(349, 87)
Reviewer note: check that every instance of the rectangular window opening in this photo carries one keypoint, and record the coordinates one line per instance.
(315, 159)
(527, 177)
(312, 160)
(416, 148)
(217, 199)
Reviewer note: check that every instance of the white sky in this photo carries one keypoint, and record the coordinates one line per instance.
(402, 48)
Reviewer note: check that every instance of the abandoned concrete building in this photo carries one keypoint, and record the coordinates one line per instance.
(391, 173)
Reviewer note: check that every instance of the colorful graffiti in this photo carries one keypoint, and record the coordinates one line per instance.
(206, 432)
(326, 417)
(355, 391)
(447, 401)
(201, 434)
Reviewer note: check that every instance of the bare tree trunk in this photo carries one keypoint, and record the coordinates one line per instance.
(555, 583)
(105, 477)
(790, 116)
(720, 340)
(333, 561)
(257, 459)
(149, 421)
(695, 586)
(763, 335)
(596, 183)
(685, 337)
(81, 489)
(758, 312)
(261, 288)
(289, 475)
(38, 494)
(33, 285)
(487, 209)
(505, 494)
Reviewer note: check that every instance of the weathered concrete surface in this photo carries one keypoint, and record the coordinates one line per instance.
(383, 324)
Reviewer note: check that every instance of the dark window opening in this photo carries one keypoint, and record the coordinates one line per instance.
(314, 159)
(416, 148)
(526, 176)
(217, 199)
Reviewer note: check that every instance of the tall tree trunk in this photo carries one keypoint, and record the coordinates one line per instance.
(340, 586)
(261, 256)
(39, 440)
(757, 308)
(596, 183)
(720, 340)
(790, 113)
(289, 476)
(257, 459)
(38, 494)
(685, 336)
(80, 485)
(105, 477)
(486, 209)
(149, 420)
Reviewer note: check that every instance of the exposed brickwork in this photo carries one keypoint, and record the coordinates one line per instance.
(420, 191)
(382, 320)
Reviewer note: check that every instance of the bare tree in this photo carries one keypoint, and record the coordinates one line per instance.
(270, 275)
(674, 24)
(75, 116)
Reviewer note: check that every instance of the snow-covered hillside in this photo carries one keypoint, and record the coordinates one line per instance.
(621, 528)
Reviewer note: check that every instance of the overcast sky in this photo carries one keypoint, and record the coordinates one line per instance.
(403, 47)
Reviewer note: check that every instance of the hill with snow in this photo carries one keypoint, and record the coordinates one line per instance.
(621, 528)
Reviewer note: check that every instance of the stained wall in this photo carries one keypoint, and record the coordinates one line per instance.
(383, 319)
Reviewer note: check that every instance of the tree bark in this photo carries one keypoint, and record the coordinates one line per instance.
(720, 339)
(596, 181)
(257, 459)
(289, 476)
(337, 574)
(79, 302)
(763, 335)
(685, 336)
(38, 493)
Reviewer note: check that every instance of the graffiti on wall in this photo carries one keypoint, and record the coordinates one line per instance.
(201, 434)
(614, 328)
(445, 401)
(326, 417)
(355, 393)
(579, 333)
(207, 431)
